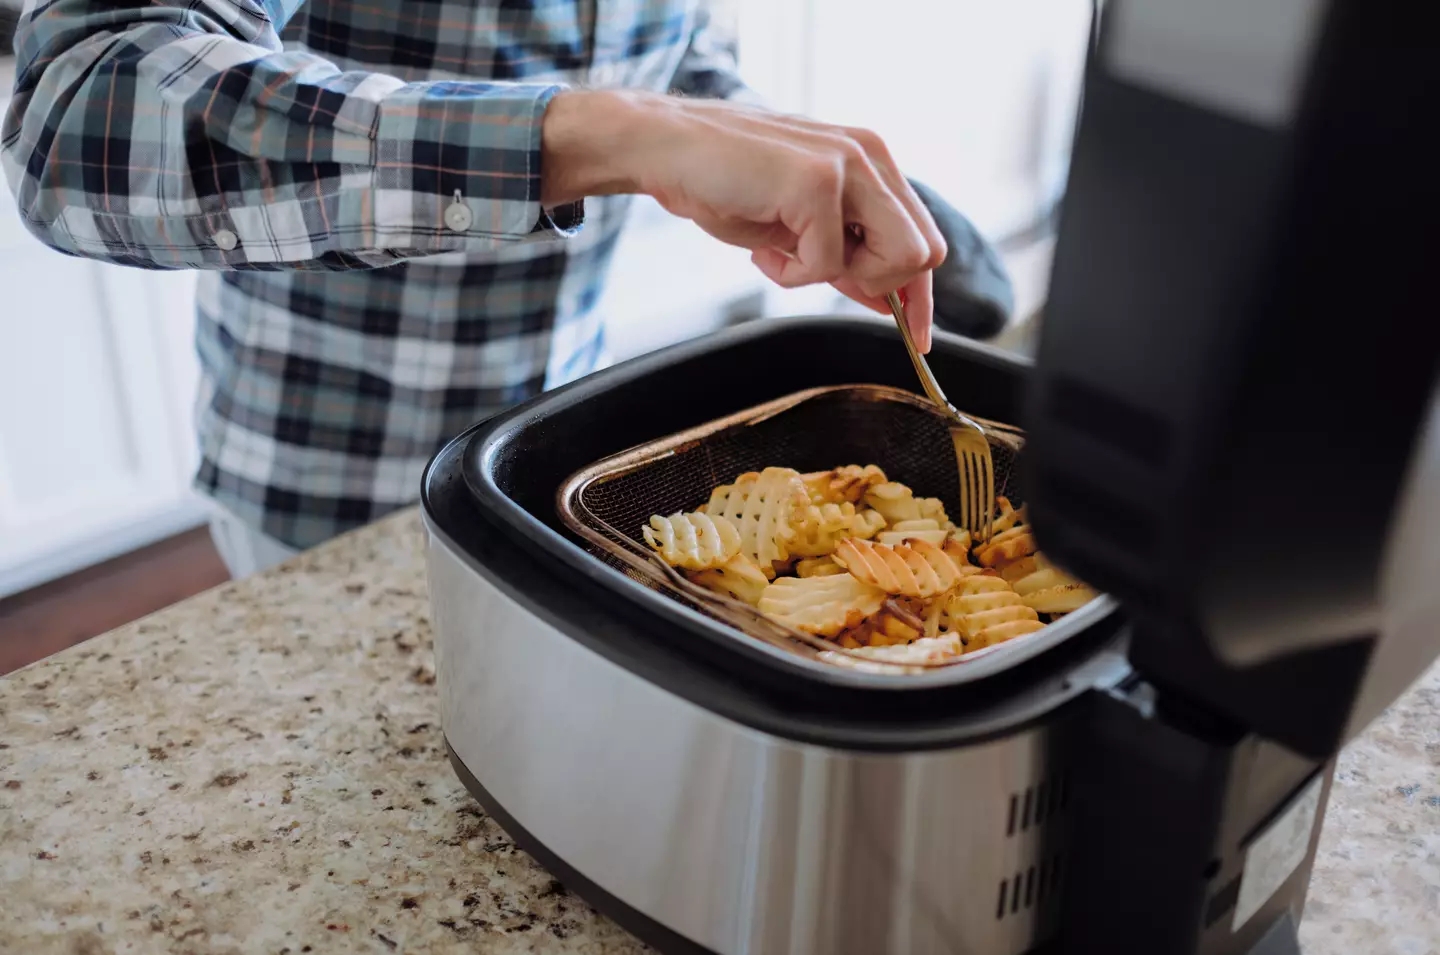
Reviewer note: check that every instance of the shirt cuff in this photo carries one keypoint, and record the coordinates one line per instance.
(458, 164)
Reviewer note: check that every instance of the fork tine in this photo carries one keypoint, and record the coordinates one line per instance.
(982, 494)
(958, 446)
(961, 459)
(988, 503)
(973, 498)
(972, 501)
(968, 475)
(977, 476)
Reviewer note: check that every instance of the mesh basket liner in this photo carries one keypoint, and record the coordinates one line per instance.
(609, 502)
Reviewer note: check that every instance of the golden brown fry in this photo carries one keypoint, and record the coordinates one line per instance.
(1062, 598)
(1001, 632)
(982, 602)
(957, 545)
(1042, 579)
(898, 503)
(858, 635)
(963, 605)
(876, 568)
(1006, 516)
(738, 577)
(1013, 544)
(931, 509)
(820, 527)
(934, 615)
(918, 524)
(982, 583)
(763, 507)
(890, 631)
(893, 500)
(846, 484)
(692, 541)
(821, 605)
(916, 568)
(1016, 570)
(1051, 590)
(971, 624)
(907, 658)
(896, 538)
(921, 528)
(818, 567)
(909, 609)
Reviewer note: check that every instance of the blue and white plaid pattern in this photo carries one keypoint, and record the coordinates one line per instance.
(305, 155)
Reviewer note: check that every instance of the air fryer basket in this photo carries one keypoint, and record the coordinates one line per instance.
(609, 502)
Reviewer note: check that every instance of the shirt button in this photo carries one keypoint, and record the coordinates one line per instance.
(457, 216)
(225, 240)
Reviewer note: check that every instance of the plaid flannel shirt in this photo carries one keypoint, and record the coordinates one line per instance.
(361, 181)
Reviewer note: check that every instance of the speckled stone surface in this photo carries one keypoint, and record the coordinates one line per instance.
(260, 769)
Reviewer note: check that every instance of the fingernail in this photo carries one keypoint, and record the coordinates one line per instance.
(904, 299)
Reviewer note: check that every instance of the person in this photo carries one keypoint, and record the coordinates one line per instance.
(388, 206)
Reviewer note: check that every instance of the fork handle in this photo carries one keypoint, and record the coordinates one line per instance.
(922, 367)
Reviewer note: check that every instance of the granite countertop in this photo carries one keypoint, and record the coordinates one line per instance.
(260, 769)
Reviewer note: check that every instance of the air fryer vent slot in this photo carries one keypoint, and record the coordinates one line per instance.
(1032, 889)
(1040, 802)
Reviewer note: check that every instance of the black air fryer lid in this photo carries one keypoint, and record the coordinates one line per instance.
(1238, 358)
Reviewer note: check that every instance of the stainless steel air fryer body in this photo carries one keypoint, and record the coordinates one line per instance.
(697, 786)
(739, 840)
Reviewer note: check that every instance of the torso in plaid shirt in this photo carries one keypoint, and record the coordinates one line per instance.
(363, 191)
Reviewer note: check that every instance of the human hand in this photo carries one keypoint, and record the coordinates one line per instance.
(812, 202)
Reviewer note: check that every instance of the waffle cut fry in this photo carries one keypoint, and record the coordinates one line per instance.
(842, 485)
(763, 507)
(821, 527)
(848, 555)
(1013, 553)
(1051, 590)
(902, 658)
(1015, 570)
(985, 611)
(889, 629)
(692, 541)
(1006, 516)
(818, 567)
(957, 545)
(738, 577)
(898, 503)
(922, 528)
(892, 626)
(916, 568)
(823, 606)
(1011, 539)
(1010, 545)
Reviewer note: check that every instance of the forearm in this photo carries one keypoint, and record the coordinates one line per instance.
(154, 137)
(596, 142)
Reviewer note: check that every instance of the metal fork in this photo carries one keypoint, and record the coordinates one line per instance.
(972, 447)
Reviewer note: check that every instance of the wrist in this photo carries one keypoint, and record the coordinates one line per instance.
(591, 142)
